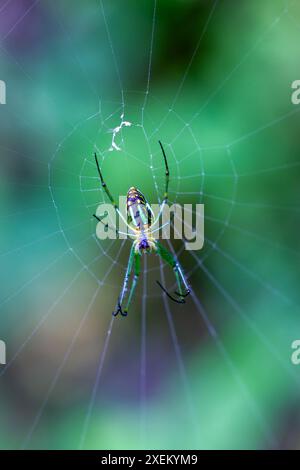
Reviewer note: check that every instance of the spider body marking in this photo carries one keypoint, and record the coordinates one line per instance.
(139, 217)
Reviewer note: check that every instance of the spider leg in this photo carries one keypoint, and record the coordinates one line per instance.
(183, 290)
(137, 262)
(166, 193)
(104, 184)
(136, 257)
(105, 224)
(125, 284)
(178, 301)
(108, 227)
(110, 197)
(118, 310)
(183, 295)
(160, 227)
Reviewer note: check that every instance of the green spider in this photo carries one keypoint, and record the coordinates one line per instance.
(139, 221)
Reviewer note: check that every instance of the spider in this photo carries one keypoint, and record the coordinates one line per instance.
(140, 222)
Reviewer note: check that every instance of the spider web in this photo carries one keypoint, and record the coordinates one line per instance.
(207, 168)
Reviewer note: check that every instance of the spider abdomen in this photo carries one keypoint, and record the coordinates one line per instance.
(138, 212)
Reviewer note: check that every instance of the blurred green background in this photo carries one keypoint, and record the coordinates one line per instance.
(212, 80)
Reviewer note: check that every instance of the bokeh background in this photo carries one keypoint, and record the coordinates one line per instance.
(212, 80)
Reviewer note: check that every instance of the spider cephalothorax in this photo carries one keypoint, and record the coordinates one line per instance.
(144, 243)
(140, 223)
